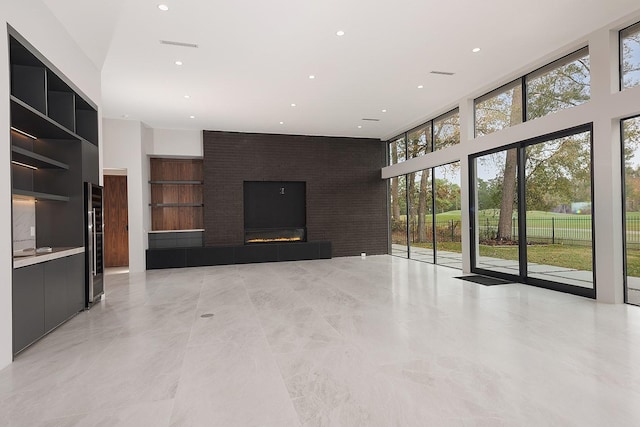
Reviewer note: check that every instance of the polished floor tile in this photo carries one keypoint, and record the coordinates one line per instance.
(379, 341)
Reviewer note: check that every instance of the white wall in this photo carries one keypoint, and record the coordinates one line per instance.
(177, 143)
(128, 144)
(122, 149)
(605, 109)
(37, 25)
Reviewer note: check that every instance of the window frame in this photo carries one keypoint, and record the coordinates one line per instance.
(632, 29)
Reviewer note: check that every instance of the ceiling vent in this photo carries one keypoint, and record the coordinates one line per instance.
(169, 42)
(371, 120)
(443, 73)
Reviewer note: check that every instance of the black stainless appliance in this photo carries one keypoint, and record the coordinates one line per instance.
(94, 244)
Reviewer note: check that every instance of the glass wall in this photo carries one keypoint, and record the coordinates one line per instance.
(428, 190)
(398, 216)
(532, 212)
(419, 141)
(421, 216)
(448, 217)
(630, 56)
(496, 213)
(397, 150)
(499, 109)
(562, 84)
(446, 130)
(631, 159)
(558, 210)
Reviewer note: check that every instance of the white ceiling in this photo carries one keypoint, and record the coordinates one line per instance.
(254, 57)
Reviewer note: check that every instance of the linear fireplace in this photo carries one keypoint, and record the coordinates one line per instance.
(275, 212)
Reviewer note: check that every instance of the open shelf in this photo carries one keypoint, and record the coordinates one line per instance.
(86, 120)
(29, 120)
(40, 196)
(176, 194)
(33, 159)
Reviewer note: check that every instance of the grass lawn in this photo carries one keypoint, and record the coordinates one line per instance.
(577, 257)
(567, 255)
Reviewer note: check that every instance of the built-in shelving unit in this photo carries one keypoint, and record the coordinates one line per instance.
(54, 150)
(176, 194)
(38, 93)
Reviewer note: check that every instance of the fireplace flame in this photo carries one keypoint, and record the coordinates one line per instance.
(275, 239)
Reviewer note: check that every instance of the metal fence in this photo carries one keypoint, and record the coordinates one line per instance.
(571, 230)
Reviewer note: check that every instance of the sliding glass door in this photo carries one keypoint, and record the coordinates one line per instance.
(558, 209)
(532, 212)
(496, 212)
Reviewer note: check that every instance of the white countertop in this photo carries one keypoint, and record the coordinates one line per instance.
(55, 253)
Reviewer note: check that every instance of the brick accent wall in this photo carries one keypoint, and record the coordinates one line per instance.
(346, 198)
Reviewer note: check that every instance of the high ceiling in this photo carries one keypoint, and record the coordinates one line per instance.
(254, 58)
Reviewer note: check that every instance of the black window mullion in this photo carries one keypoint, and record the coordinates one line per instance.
(522, 212)
(408, 208)
(433, 215)
(523, 86)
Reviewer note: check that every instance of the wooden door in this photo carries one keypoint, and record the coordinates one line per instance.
(116, 222)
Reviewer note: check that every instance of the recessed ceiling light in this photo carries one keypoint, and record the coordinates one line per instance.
(340, 33)
(178, 62)
(384, 111)
(187, 97)
(312, 77)
(293, 105)
(163, 7)
(281, 123)
(359, 127)
(192, 117)
(420, 87)
(475, 50)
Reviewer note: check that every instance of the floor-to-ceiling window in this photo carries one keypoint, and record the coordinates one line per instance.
(631, 159)
(532, 212)
(447, 222)
(398, 216)
(425, 210)
(421, 216)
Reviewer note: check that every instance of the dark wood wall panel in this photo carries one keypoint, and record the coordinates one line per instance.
(346, 197)
(116, 219)
(176, 217)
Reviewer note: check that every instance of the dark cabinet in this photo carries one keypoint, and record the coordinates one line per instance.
(28, 305)
(55, 293)
(44, 296)
(75, 283)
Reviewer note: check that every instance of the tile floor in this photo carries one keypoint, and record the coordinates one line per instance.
(380, 341)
